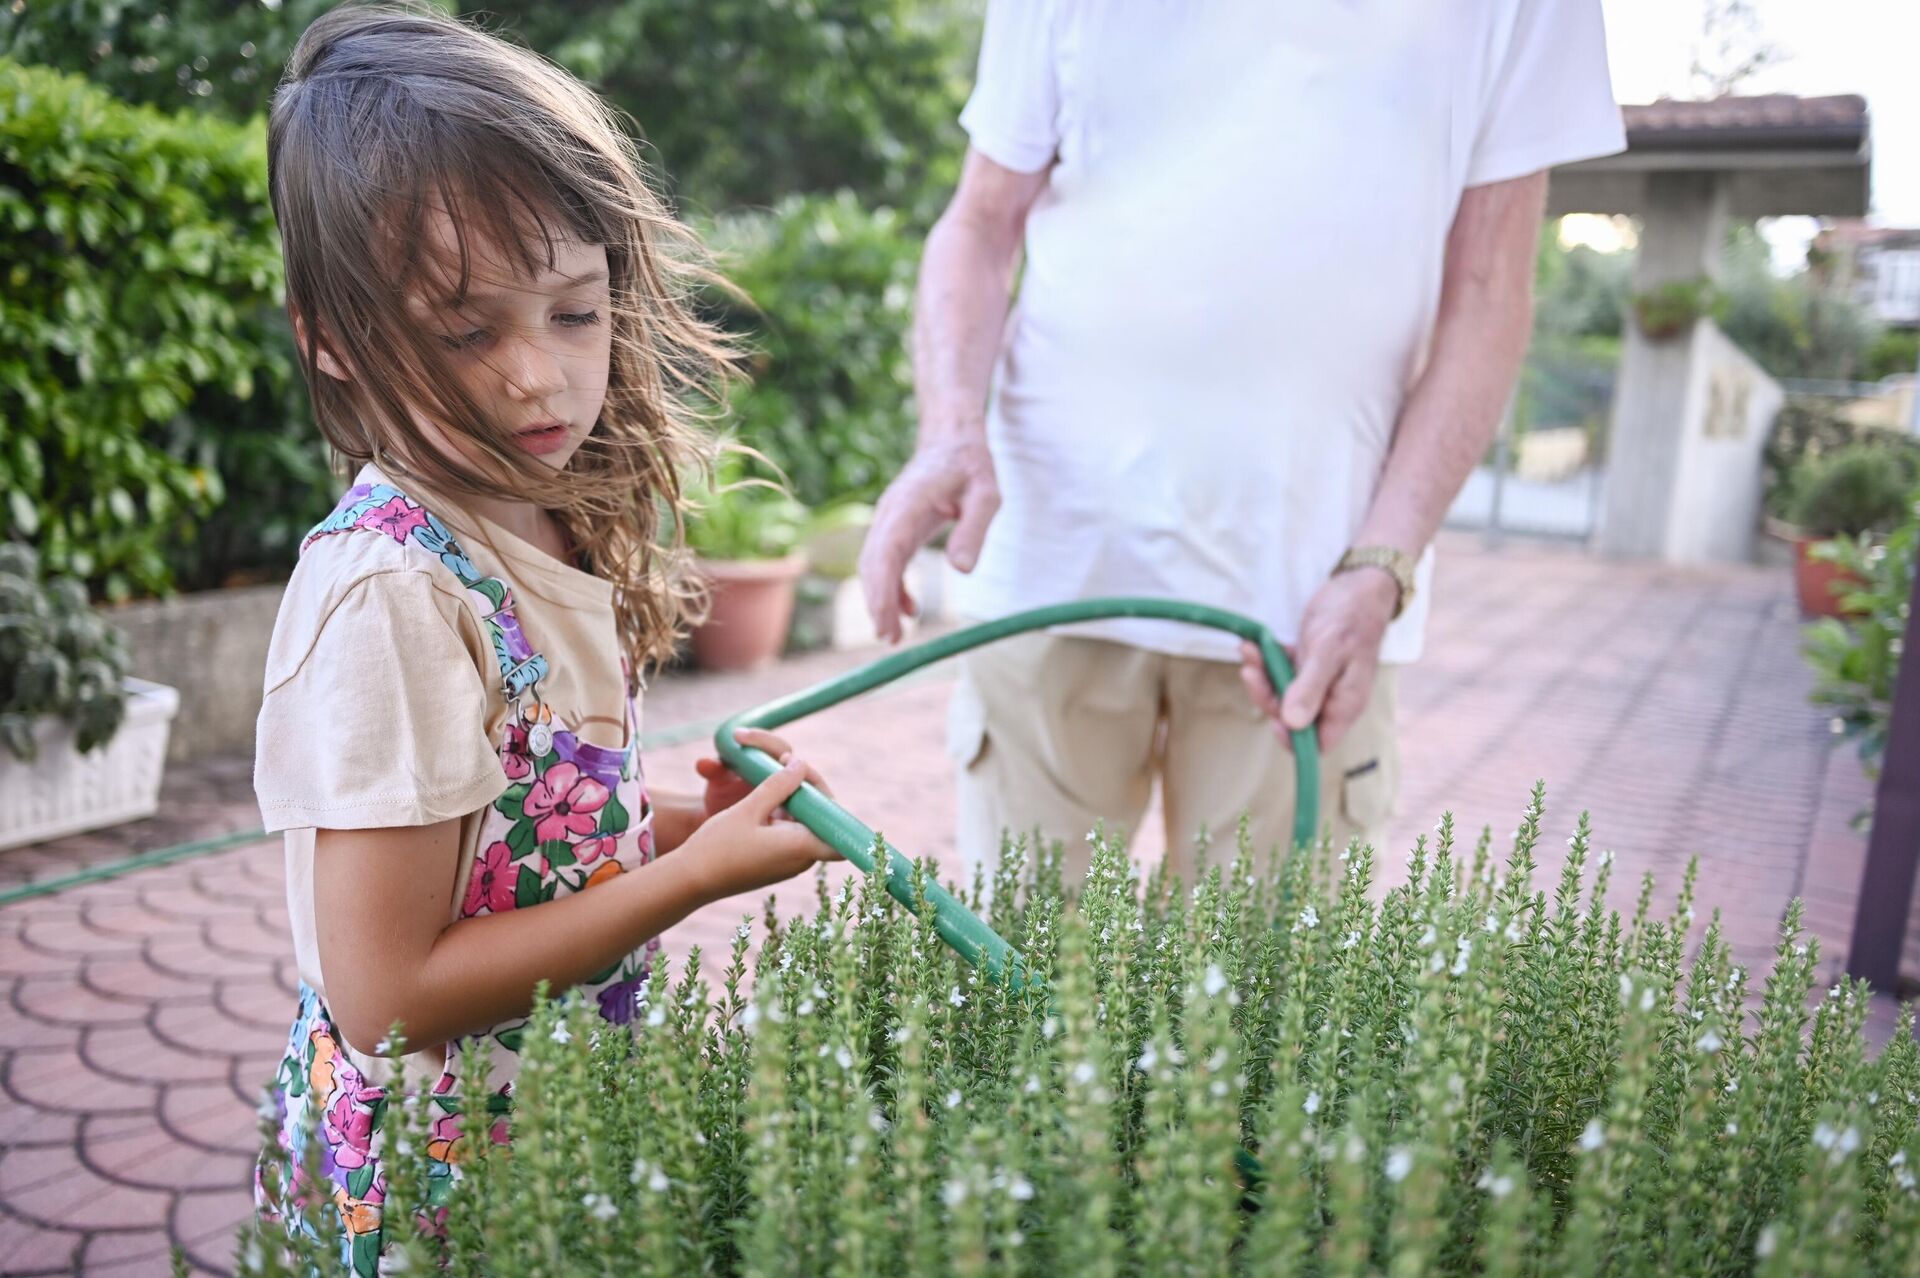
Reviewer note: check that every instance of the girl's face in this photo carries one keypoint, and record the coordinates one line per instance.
(535, 351)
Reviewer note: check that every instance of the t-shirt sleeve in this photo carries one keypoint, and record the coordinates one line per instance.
(1551, 97)
(376, 718)
(1012, 115)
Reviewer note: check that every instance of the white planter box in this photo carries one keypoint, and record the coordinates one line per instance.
(65, 792)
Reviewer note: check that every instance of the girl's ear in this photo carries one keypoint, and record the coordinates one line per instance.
(329, 365)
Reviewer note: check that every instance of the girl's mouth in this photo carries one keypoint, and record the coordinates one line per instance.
(543, 439)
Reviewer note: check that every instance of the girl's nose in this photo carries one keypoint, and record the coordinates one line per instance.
(533, 371)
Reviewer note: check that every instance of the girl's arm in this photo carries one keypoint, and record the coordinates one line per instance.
(382, 899)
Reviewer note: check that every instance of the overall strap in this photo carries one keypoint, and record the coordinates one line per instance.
(384, 509)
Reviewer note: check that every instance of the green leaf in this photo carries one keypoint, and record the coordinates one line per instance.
(558, 852)
(613, 816)
(527, 888)
(520, 839)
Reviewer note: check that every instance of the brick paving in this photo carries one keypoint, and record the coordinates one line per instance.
(142, 1013)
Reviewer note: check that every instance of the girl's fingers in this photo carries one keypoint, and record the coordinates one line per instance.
(761, 739)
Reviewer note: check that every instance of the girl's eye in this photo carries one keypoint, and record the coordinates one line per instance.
(479, 335)
(579, 321)
(474, 338)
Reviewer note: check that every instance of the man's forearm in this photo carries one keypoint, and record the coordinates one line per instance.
(966, 278)
(1480, 336)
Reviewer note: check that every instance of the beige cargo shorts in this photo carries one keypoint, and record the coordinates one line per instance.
(1060, 733)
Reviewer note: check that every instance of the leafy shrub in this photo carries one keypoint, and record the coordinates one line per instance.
(1856, 659)
(57, 657)
(747, 102)
(744, 517)
(1273, 1074)
(1895, 353)
(142, 279)
(1858, 488)
(209, 55)
(831, 292)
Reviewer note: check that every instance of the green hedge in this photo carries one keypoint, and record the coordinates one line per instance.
(141, 333)
(1469, 1076)
(831, 296)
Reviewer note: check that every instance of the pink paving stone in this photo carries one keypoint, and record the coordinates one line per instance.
(133, 1052)
(187, 956)
(127, 1255)
(18, 1030)
(54, 927)
(49, 1186)
(135, 1150)
(28, 1248)
(117, 921)
(124, 975)
(205, 1223)
(64, 1000)
(60, 1079)
(26, 1125)
(254, 1006)
(68, 1087)
(208, 1116)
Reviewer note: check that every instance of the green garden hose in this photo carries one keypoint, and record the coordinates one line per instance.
(958, 926)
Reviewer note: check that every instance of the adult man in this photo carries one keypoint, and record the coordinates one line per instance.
(1277, 285)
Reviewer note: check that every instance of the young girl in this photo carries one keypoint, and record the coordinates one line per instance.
(490, 305)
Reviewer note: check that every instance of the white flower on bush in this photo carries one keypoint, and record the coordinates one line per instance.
(1399, 1163)
(1309, 918)
(1710, 1042)
(561, 1034)
(1312, 1105)
(599, 1206)
(1593, 1137)
(957, 998)
(1149, 1057)
(953, 1193)
(1084, 1072)
(1215, 980)
(1498, 1186)
(843, 1058)
(656, 1017)
(954, 1098)
(745, 930)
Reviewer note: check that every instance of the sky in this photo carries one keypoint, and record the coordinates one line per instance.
(1869, 47)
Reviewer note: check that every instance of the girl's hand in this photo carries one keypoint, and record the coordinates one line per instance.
(752, 844)
(725, 787)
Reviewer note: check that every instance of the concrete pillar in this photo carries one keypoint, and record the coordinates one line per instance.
(1680, 238)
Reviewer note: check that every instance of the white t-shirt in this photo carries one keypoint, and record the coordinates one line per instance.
(1233, 273)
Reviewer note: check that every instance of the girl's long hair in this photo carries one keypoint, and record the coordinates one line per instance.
(390, 110)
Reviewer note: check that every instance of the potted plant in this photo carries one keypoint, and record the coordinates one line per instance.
(1670, 309)
(1857, 491)
(746, 536)
(82, 744)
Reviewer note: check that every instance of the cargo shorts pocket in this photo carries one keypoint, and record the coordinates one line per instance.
(1367, 791)
(966, 725)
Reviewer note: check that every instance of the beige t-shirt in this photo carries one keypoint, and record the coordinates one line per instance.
(383, 701)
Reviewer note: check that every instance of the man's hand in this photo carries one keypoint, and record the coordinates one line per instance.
(1335, 660)
(950, 480)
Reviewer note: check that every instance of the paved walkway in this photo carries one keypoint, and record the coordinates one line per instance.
(142, 1014)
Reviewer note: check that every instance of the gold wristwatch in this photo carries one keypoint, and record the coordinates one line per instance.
(1393, 561)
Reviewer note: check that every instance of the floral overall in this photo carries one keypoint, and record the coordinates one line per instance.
(574, 815)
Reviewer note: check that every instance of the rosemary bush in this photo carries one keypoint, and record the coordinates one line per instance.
(1470, 1076)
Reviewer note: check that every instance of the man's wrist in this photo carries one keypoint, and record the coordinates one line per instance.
(947, 429)
(1388, 563)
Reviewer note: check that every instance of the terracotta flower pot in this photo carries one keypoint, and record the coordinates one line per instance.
(1819, 582)
(752, 608)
